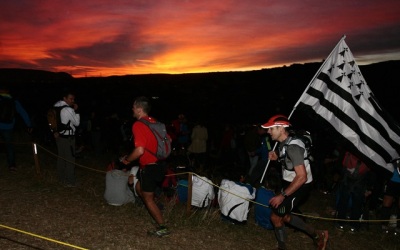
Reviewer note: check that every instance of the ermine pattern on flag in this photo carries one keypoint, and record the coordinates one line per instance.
(340, 96)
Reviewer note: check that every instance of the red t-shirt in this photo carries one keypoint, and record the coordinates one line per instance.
(146, 139)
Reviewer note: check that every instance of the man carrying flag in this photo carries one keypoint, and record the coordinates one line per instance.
(297, 177)
(340, 100)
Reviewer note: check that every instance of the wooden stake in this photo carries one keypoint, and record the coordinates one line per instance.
(36, 159)
(189, 198)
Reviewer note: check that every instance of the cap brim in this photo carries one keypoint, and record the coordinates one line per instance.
(273, 124)
(268, 125)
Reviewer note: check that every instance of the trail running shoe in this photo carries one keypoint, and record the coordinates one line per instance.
(160, 232)
(322, 240)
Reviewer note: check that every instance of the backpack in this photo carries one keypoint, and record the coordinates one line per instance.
(7, 109)
(54, 119)
(301, 138)
(306, 138)
(163, 140)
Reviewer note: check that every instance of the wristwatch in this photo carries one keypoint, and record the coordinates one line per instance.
(283, 193)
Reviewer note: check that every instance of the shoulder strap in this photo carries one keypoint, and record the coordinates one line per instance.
(67, 126)
(147, 123)
(144, 121)
(294, 140)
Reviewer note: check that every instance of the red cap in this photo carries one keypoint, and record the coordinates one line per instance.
(277, 120)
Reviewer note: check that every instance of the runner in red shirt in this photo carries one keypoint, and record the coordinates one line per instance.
(151, 172)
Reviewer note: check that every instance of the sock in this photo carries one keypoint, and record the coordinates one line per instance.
(297, 222)
(280, 234)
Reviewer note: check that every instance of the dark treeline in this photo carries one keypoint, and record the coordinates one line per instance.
(222, 97)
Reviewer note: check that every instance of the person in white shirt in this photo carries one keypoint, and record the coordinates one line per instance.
(65, 139)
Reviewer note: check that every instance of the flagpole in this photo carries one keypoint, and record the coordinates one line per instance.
(297, 103)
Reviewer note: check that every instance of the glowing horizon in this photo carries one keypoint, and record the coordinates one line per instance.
(103, 38)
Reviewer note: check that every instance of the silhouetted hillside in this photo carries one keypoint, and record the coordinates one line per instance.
(238, 97)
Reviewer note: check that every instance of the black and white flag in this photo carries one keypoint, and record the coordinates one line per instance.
(339, 95)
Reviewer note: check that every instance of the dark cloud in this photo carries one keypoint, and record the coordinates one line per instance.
(114, 37)
(117, 52)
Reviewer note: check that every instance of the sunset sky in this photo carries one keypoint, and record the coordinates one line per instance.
(119, 37)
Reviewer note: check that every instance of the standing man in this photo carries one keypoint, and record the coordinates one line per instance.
(9, 107)
(151, 172)
(65, 138)
(297, 177)
(355, 185)
(198, 146)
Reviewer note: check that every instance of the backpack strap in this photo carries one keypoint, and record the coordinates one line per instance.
(203, 203)
(292, 141)
(233, 208)
(66, 127)
(147, 123)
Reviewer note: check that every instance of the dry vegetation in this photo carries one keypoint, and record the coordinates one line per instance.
(80, 216)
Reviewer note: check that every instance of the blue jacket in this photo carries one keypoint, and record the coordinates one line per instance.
(20, 110)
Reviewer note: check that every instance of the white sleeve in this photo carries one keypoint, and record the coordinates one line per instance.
(68, 114)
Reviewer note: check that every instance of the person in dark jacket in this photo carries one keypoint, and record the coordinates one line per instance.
(9, 107)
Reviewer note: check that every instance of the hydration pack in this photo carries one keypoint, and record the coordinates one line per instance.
(163, 140)
(301, 138)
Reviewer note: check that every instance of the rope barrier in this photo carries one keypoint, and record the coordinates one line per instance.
(36, 235)
(42, 237)
(252, 201)
(76, 164)
(303, 215)
(183, 173)
(346, 220)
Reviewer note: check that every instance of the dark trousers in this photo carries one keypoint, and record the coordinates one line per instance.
(66, 160)
(350, 197)
(7, 136)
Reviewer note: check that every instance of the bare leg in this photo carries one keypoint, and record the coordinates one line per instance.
(148, 199)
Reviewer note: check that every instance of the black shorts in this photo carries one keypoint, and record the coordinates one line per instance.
(151, 177)
(293, 200)
(392, 189)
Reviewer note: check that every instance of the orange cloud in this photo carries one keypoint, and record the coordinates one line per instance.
(137, 37)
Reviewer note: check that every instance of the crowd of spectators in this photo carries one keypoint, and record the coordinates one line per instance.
(213, 150)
